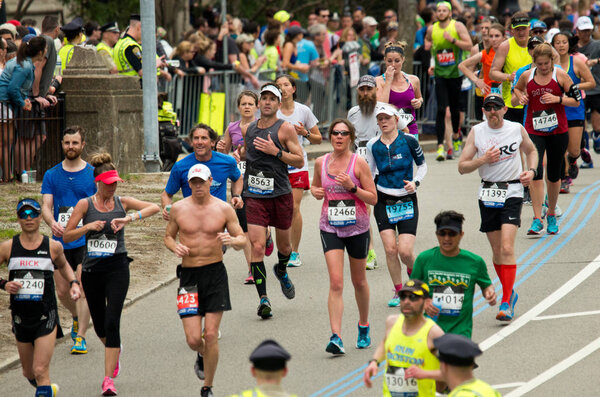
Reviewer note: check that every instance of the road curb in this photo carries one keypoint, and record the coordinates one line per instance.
(13, 362)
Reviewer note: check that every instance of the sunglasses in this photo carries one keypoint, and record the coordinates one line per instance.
(410, 297)
(490, 107)
(539, 31)
(532, 46)
(342, 133)
(444, 233)
(28, 214)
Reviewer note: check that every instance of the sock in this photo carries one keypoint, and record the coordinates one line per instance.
(507, 275)
(260, 277)
(398, 287)
(572, 159)
(206, 388)
(43, 391)
(363, 325)
(32, 382)
(282, 264)
(408, 271)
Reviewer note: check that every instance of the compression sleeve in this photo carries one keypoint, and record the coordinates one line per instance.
(421, 172)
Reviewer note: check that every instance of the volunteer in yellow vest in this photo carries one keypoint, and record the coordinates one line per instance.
(269, 368)
(127, 52)
(448, 38)
(408, 342)
(511, 55)
(73, 36)
(457, 358)
(110, 36)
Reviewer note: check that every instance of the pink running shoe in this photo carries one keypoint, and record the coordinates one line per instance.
(269, 246)
(117, 370)
(108, 387)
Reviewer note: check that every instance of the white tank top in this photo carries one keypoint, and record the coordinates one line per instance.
(508, 139)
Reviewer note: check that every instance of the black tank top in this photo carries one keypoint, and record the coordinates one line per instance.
(266, 175)
(35, 270)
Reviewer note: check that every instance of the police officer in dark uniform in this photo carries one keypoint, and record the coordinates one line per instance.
(32, 258)
(269, 368)
(457, 359)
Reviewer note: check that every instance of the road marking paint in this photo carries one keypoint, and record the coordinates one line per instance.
(508, 385)
(556, 369)
(566, 315)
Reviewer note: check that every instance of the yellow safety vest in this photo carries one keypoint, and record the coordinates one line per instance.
(123, 66)
(474, 388)
(102, 46)
(65, 55)
(253, 393)
(166, 113)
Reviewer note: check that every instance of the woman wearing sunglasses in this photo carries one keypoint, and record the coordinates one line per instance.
(391, 156)
(105, 268)
(342, 179)
(31, 259)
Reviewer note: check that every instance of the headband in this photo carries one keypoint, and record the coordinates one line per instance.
(444, 3)
(394, 48)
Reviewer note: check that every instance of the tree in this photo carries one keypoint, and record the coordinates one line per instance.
(103, 11)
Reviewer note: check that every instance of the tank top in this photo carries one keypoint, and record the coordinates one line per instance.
(35, 270)
(343, 213)
(402, 351)
(447, 55)
(104, 244)
(487, 58)
(401, 100)
(516, 58)
(574, 113)
(266, 176)
(544, 118)
(235, 133)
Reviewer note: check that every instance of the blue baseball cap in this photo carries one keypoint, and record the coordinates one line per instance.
(29, 202)
(539, 25)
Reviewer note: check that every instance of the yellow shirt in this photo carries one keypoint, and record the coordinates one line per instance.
(474, 388)
(516, 58)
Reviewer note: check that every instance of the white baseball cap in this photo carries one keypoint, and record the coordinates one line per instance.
(369, 21)
(584, 23)
(385, 109)
(273, 90)
(199, 171)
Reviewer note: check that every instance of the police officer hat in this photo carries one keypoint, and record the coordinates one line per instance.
(76, 25)
(110, 27)
(269, 356)
(456, 350)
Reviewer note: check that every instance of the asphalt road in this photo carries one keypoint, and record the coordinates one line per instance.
(549, 349)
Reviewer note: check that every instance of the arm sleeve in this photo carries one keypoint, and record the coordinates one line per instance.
(421, 172)
(416, 150)
(134, 60)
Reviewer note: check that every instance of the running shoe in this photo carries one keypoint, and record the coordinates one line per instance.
(264, 308)
(440, 154)
(249, 279)
(596, 141)
(335, 345)
(457, 145)
(80, 347)
(117, 370)
(199, 367)
(537, 227)
(526, 196)
(294, 260)
(505, 313)
(395, 301)
(557, 210)
(269, 245)
(573, 168)
(565, 186)
(74, 328)
(586, 159)
(514, 297)
(287, 287)
(371, 260)
(55, 389)
(552, 225)
(449, 155)
(108, 387)
(587, 165)
(364, 338)
(206, 392)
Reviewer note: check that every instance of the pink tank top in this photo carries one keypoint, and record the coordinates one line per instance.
(343, 213)
(401, 100)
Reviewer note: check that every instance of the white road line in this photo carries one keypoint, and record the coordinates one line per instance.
(566, 315)
(543, 305)
(556, 369)
(508, 385)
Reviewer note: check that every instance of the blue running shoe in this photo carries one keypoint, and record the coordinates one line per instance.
(294, 260)
(596, 141)
(364, 338)
(264, 308)
(514, 297)
(80, 346)
(335, 345)
(287, 287)
(537, 227)
(552, 225)
(395, 301)
(504, 314)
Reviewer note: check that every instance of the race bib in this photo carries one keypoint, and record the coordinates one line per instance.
(32, 287)
(398, 386)
(545, 120)
(101, 246)
(405, 114)
(445, 58)
(493, 195)
(399, 211)
(449, 298)
(261, 183)
(341, 212)
(242, 167)
(64, 214)
(187, 301)
(361, 149)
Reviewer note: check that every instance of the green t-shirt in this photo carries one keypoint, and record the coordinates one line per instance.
(452, 282)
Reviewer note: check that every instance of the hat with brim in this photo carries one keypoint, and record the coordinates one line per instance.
(269, 356)
(417, 287)
(584, 23)
(272, 89)
(30, 203)
(495, 99)
(367, 81)
(519, 22)
(450, 224)
(112, 27)
(108, 177)
(369, 21)
(385, 109)
(199, 171)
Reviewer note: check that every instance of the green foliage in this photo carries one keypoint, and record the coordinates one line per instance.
(103, 11)
(6, 234)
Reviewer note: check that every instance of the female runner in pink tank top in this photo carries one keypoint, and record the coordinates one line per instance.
(344, 181)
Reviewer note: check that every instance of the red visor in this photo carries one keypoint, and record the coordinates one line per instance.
(108, 177)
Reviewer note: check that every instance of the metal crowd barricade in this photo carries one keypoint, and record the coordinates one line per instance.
(30, 140)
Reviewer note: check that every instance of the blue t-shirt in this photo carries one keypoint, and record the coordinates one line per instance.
(222, 167)
(67, 188)
(307, 52)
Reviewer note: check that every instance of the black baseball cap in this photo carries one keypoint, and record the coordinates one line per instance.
(495, 99)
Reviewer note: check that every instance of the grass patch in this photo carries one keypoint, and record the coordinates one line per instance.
(8, 233)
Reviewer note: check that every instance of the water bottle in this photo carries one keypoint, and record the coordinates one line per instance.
(438, 305)
(24, 177)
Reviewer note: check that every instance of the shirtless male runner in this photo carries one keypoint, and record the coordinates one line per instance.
(200, 220)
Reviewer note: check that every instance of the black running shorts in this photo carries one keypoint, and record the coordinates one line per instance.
(357, 246)
(211, 284)
(492, 219)
(27, 331)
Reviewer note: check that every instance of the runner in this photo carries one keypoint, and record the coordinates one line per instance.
(543, 89)
(271, 145)
(343, 180)
(484, 45)
(452, 273)
(582, 76)
(105, 268)
(31, 259)
(498, 144)
(200, 220)
(63, 186)
(305, 124)
(390, 157)
(409, 340)
(362, 116)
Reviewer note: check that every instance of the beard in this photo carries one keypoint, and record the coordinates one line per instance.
(367, 104)
(72, 154)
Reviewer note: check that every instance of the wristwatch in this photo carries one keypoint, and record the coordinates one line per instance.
(74, 281)
(417, 183)
(534, 172)
(279, 153)
(307, 134)
(354, 189)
